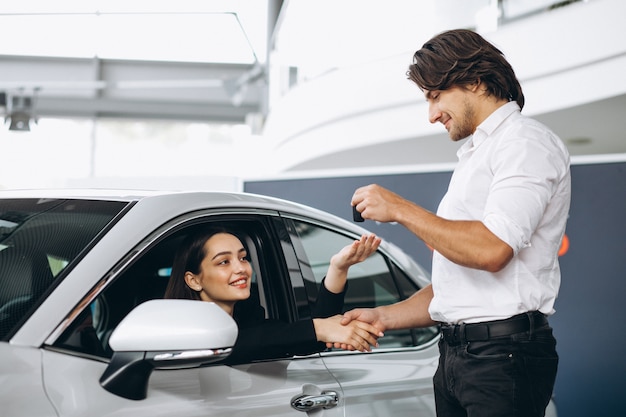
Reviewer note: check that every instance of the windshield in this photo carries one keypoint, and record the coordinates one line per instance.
(39, 239)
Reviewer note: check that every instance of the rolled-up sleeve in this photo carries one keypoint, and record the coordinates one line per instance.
(525, 177)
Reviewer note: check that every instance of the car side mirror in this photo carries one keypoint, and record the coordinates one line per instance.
(165, 334)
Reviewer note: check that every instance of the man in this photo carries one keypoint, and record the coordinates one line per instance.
(496, 235)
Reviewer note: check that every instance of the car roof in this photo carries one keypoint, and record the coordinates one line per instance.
(166, 204)
(84, 193)
(182, 201)
(132, 195)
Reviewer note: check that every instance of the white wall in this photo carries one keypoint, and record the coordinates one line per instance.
(563, 58)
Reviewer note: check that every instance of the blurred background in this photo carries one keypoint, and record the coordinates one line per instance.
(200, 94)
(308, 99)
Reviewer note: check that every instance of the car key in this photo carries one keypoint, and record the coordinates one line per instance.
(356, 215)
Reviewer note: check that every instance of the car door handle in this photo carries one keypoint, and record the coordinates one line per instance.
(327, 399)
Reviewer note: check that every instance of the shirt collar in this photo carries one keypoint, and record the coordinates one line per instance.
(488, 126)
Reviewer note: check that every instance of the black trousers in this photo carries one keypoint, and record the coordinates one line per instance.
(511, 375)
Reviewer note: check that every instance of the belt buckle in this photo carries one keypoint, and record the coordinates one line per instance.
(447, 333)
(453, 334)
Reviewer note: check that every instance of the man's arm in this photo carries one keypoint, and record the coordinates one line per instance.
(406, 314)
(467, 243)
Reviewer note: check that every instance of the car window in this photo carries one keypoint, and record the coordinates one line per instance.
(39, 239)
(372, 283)
(148, 276)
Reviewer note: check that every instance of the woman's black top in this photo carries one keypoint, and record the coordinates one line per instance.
(260, 338)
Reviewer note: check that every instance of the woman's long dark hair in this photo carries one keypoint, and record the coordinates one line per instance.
(462, 57)
(188, 257)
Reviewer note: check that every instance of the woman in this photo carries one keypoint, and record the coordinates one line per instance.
(212, 265)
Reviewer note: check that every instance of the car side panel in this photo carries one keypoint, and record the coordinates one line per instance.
(259, 389)
(392, 383)
(21, 390)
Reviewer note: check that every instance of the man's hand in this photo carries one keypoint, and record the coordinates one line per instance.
(377, 203)
(354, 335)
(362, 316)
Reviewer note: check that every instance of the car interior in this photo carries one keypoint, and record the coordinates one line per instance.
(28, 275)
(148, 276)
(144, 280)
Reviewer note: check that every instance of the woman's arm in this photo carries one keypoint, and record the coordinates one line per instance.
(333, 288)
(352, 254)
(260, 338)
(272, 339)
(327, 321)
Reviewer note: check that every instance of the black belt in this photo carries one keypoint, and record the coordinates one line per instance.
(455, 334)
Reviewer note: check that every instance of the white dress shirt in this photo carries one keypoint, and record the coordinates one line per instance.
(513, 175)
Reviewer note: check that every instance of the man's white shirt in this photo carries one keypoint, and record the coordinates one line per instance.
(513, 175)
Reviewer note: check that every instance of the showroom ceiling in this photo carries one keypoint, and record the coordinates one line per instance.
(143, 61)
(194, 61)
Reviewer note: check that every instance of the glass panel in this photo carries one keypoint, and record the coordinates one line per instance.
(39, 238)
(104, 154)
(197, 31)
(370, 283)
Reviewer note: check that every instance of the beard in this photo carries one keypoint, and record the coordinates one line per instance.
(464, 126)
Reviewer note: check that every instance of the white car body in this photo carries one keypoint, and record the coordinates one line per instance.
(38, 378)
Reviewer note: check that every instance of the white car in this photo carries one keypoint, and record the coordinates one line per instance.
(85, 331)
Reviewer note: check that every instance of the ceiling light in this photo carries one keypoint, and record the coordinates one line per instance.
(19, 113)
(19, 122)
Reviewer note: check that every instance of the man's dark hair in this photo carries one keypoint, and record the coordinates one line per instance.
(462, 57)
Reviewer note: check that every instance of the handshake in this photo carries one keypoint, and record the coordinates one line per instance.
(357, 329)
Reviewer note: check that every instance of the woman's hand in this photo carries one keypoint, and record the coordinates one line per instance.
(356, 252)
(355, 335)
(359, 315)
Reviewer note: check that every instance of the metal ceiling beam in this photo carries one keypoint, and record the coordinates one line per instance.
(142, 109)
(71, 87)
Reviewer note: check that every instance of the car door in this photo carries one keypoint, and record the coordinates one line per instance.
(74, 363)
(257, 389)
(395, 379)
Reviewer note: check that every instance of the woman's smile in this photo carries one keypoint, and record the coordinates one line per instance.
(241, 283)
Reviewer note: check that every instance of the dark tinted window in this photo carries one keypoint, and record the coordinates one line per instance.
(39, 238)
(372, 283)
